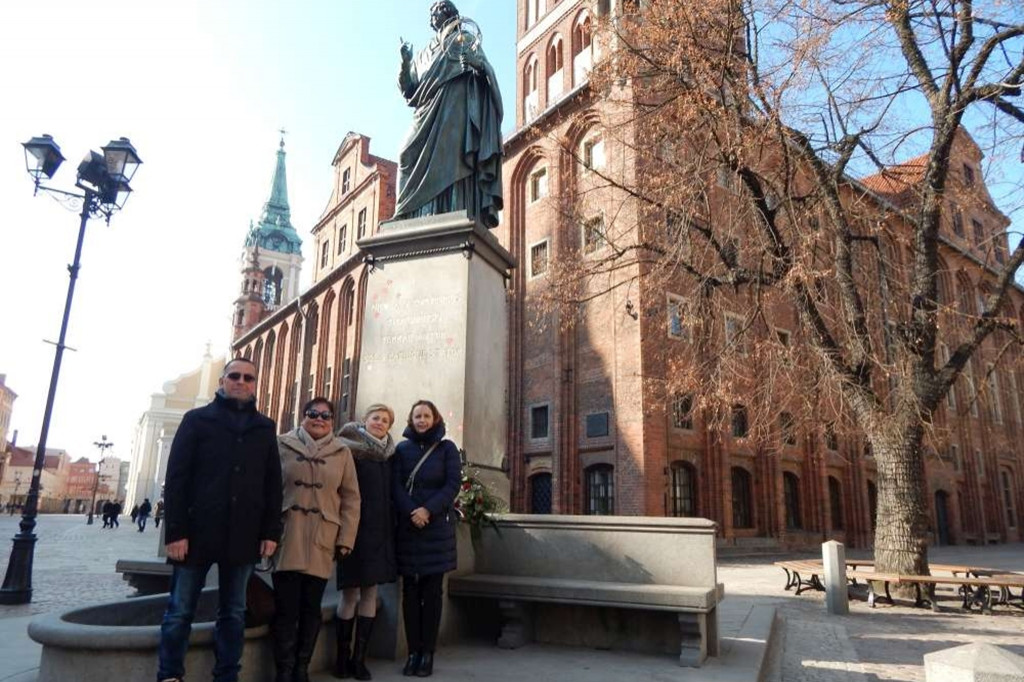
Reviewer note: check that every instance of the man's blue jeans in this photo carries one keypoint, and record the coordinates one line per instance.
(229, 633)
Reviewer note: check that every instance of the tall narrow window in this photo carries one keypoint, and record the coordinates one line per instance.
(968, 175)
(325, 253)
(682, 412)
(328, 375)
(958, 222)
(593, 234)
(554, 64)
(342, 239)
(531, 100)
(740, 427)
(787, 427)
(582, 50)
(361, 225)
(346, 180)
(791, 490)
(539, 259)
(994, 400)
(346, 386)
(835, 499)
(734, 333)
(742, 498)
(600, 488)
(683, 489)
(538, 184)
(539, 422)
(540, 493)
(979, 232)
(592, 153)
(676, 324)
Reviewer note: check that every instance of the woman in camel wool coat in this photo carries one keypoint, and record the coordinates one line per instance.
(320, 511)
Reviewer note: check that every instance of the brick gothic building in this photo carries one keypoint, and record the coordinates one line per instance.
(584, 436)
(310, 346)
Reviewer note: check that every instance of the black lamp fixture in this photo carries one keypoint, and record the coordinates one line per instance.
(103, 180)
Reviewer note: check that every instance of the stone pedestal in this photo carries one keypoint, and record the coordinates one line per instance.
(436, 327)
(973, 663)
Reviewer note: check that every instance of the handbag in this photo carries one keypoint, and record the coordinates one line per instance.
(412, 477)
(259, 602)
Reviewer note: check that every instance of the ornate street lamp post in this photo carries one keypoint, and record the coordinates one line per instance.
(103, 444)
(103, 181)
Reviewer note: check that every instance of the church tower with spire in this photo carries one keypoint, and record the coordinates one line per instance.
(274, 249)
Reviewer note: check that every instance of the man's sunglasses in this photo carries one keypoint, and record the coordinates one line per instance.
(237, 376)
(325, 415)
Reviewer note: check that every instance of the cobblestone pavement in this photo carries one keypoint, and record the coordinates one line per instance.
(74, 563)
(884, 643)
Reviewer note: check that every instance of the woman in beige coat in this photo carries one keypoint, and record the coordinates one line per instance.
(321, 514)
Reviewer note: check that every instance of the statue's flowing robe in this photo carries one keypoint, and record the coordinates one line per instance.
(451, 158)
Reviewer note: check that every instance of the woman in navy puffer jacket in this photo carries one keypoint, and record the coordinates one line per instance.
(424, 498)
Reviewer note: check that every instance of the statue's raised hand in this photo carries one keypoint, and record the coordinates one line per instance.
(406, 50)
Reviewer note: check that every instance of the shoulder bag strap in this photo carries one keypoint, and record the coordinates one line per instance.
(409, 481)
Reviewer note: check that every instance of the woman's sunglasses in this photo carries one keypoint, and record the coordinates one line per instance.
(325, 415)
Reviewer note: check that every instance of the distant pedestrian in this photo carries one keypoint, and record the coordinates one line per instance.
(143, 515)
(223, 497)
(108, 508)
(135, 513)
(114, 513)
(158, 516)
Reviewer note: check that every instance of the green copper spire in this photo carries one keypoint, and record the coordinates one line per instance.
(275, 231)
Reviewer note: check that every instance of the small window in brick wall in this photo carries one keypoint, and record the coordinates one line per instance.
(597, 425)
(539, 422)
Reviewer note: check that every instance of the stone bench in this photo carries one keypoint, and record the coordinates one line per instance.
(634, 583)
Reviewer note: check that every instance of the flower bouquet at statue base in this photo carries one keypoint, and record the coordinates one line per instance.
(476, 502)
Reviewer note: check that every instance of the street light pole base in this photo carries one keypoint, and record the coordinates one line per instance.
(17, 587)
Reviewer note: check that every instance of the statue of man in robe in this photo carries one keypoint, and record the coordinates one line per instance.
(451, 158)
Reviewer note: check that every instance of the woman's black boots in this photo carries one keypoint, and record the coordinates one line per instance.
(364, 626)
(343, 638)
(412, 664)
(426, 667)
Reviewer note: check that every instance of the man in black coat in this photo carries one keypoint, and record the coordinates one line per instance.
(222, 505)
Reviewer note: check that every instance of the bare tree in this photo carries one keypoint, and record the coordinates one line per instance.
(743, 126)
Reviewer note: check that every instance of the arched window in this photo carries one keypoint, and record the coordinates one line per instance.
(582, 49)
(554, 64)
(835, 500)
(273, 278)
(791, 490)
(742, 499)
(531, 102)
(683, 491)
(600, 489)
(965, 294)
(540, 493)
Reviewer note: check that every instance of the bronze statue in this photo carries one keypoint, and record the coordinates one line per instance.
(451, 158)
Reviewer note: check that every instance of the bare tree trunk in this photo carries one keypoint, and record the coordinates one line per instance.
(901, 532)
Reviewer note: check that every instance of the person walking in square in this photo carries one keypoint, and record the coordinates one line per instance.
(143, 515)
(108, 508)
(372, 561)
(135, 514)
(320, 512)
(115, 511)
(426, 475)
(158, 514)
(223, 506)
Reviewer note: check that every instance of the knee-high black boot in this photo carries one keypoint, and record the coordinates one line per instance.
(285, 635)
(309, 629)
(343, 639)
(364, 626)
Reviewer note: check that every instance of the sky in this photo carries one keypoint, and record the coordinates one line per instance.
(201, 88)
